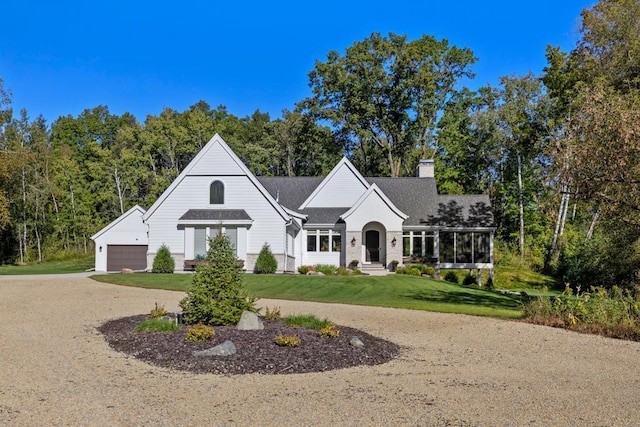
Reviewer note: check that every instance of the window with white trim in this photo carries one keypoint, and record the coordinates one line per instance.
(324, 241)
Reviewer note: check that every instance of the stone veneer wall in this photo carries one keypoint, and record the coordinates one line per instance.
(394, 253)
(353, 252)
(250, 262)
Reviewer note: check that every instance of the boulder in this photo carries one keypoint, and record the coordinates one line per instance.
(249, 322)
(227, 348)
(356, 342)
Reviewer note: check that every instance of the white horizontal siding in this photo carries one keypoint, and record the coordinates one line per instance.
(216, 160)
(343, 189)
(373, 208)
(129, 230)
(193, 193)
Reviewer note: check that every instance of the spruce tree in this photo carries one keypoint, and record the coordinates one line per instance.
(217, 295)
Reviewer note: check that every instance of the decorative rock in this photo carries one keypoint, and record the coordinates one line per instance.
(126, 271)
(355, 342)
(249, 322)
(315, 273)
(227, 348)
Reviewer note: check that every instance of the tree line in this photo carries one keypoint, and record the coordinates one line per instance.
(558, 153)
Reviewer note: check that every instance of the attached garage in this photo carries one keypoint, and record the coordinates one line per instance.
(123, 243)
(126, 256)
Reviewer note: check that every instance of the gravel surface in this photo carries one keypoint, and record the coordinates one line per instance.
(57, 369)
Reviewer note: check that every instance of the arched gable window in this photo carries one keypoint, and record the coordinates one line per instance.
(216, 193)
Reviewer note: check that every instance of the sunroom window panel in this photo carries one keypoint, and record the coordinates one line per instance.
(447, 248)
(406, 245)
(463, 252)
(417, 244)
(481, 247)
(428, 245)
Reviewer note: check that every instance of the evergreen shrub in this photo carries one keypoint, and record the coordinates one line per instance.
(451, 277)
(217, 295)
(163, 262)
(266, 262)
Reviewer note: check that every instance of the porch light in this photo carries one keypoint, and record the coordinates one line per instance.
(393, 242)
(100, 248)
(353, 241)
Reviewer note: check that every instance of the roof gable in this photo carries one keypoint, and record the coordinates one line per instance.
(374, 191)
(215, 158)
(136, 210)
(342, 187)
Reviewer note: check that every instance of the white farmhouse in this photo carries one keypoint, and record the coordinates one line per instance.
(337, 219)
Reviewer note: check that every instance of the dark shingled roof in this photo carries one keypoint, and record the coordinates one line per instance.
(290, 191)
(215, 215)
(324, 215)
(416, 197)
(461, 211)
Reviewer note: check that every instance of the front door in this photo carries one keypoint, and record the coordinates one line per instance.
(372, 244)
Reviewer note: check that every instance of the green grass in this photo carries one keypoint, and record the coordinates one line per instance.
(305, 321)
(157, 324)
(399, 291)
(71, 265)
(510, 277)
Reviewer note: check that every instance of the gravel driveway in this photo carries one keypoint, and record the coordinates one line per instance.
(56, 369)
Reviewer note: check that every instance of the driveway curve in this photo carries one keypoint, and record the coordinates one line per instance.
(56, 369)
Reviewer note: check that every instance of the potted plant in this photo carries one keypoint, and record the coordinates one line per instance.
(393, 265)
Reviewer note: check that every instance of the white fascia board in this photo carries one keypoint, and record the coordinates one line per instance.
(336, 168)
(374, 189)
(118, 220)
(295, 214)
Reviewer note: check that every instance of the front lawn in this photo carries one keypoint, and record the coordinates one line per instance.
(71, 265)
(400, 291)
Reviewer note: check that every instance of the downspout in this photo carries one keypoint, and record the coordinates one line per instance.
(286, 244)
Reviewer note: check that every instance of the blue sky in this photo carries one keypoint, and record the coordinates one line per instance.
(59, 58)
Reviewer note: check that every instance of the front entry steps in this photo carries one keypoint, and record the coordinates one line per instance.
(374, 269)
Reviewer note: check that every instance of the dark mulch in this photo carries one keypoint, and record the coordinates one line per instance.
(256, 350)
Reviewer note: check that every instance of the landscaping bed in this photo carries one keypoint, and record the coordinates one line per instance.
(256, 350)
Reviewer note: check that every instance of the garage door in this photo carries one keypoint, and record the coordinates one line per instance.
(126, 256)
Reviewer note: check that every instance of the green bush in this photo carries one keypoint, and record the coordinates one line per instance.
(343, 271)
(614, 313)
(428, 270)
(326, 269)
(451, 277)
(266, 262)
(163, 262)
(199, 333)
(304, 269)
(414, 271)
(217, 295)
(157, 324)
(469, 280)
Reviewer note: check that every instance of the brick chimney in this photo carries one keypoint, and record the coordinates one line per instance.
(425, 169)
